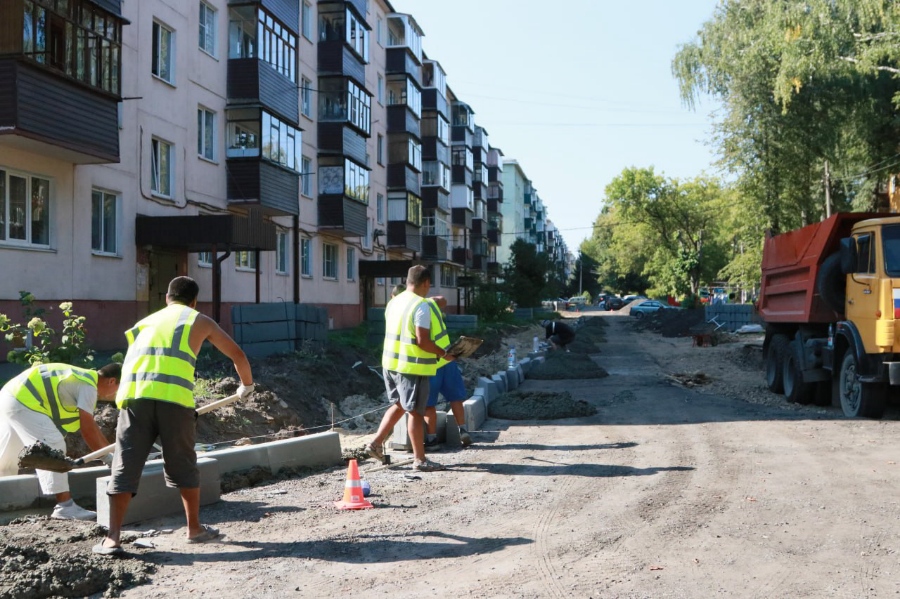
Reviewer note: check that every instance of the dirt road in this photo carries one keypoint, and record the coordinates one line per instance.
(666, 492)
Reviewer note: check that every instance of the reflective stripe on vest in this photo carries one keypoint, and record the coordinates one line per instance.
(401, 354)
(38, 389)
(159, 363)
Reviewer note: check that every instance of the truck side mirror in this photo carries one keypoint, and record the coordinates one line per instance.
(848, 255)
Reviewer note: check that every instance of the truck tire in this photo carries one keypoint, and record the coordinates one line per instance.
(775, 363)
(831, 283)
(795, 390)
(866, 400)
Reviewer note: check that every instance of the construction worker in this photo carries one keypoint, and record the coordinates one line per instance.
(447, 381)
(408, 361)
(45, 402)
(156, 399)
(559, 334)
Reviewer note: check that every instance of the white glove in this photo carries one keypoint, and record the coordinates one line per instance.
(245, 390)
(107, 460)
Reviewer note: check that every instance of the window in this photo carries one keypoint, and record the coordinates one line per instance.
(281, 252)
(163, 50)
(351, 264)
(379, 208)
(204, 259)
(379, 149)
(367, 240)
(207, 28)
(306, 97)
(448, 276)
(161, 167)
(329, 260)
(865, 254)
(344, 101)
(280, 142)
(380, 280)
(104, 225)
(245, 260)
(380, 89)
(305, 257)
(243, 134)
(24, 209)
(356, 181)
(254, 33)
(306, 172)
(206, 133)
(306, 19)
(378, 35)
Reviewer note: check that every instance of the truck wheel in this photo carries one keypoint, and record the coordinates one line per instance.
(858, 399)
(795, 390)
(775, 363)
(830, 283)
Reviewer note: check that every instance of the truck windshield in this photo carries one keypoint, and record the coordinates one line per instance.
(890, 239)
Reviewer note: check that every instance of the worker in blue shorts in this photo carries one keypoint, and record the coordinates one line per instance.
(448, 381)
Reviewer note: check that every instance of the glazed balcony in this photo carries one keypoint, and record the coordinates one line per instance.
(493, 236)
(433, 100)
(461, 175)
(400, 61)
(494, 269)
(252, 82)
(336, 58)
(341, 139)
(495, 174)
(403, 120)
(341, 215)
(404, 235)
(358, 5)
(434, 149)
(434, 247)
(493, 205)
(462, 256)
(462, 217)
(435, 198)
(403, 177)
(260, 183)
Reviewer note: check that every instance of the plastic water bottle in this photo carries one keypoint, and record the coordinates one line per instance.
(512, 358)
(535, 345)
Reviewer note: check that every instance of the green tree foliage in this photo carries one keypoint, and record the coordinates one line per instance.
(489, 302)
(527, 274)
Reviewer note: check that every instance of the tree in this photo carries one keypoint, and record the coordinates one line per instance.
(525, 276)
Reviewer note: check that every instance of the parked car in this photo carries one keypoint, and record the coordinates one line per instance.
(613, 303)
(639, 310)
(630, 298)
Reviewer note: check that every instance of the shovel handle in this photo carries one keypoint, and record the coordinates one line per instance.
(201, 410)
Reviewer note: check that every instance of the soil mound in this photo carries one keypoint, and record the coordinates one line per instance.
(538, 405)
(672, 323)
(40, 558)
(567, 365)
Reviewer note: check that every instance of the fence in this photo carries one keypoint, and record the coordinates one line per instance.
(733, 316)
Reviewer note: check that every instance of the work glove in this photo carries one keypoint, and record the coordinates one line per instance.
(244, 391)
(107, 460)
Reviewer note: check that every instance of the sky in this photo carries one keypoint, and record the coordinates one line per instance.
(574, 91)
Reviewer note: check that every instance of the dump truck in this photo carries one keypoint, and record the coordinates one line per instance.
(830, 301)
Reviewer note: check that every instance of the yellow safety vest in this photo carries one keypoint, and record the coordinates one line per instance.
(160, 363)
(37, 389)
(401, 354)
(438, 329)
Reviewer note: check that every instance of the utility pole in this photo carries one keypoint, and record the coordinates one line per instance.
(580, 271)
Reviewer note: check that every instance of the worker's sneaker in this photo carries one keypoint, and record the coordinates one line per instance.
(72, 511)
(431, 441)
(464, 437)
(427, 466)
(375, 451)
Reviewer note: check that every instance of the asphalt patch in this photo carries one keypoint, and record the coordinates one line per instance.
(538, 405)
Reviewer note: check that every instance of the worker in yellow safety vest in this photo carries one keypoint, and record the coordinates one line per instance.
(408, 360)
(45, 402)
(156, 399)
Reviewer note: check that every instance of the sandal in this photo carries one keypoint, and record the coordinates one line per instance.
(101, 549)
(209, 533)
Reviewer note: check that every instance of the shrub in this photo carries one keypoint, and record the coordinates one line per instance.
(38, 343)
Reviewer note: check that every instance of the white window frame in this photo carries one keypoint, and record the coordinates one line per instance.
(205, 259)
(245, 260)
(306, 20)
(208, 29)
(329, 261)
(351, 263)
(163, 72)
(29, 210)
(306, 256)
(116, 200)
(305, 97)
(379, 90)
(282, 253)
(306, 183)
(379, 208)
(156, 148)
(204, 152)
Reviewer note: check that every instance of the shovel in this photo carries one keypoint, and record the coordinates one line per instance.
(41, 456)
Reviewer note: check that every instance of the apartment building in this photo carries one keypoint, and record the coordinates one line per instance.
(293, 151)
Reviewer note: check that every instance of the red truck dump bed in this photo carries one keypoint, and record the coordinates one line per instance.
(791, 263)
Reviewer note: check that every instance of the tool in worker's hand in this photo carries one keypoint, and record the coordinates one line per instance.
(41, 456)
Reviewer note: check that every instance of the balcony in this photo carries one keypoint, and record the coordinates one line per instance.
(435, 198)
(433, 149)
(253, 82)
(400, 61)
(480, 190)
(341, 140)
(493, 236)
(402, 120)
(335, 58)
(358, 5)
(402, 176)
(462, 217)
(479, 263)
(404, 235)
(434, 247)
(479, 246)
(493, 205)
(341, 215)
(463, 256)
(433, 100)
(461, 175)
(494, 269)
(260, 183)
(495, 175)
(479, 227)
(461, 135)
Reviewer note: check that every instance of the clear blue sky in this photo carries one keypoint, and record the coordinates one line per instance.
(575, 91)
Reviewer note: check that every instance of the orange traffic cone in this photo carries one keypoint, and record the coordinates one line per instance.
(353, 493)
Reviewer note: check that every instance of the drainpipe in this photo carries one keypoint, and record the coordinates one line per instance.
(296, 259)
(217, 282)
(258, 274)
